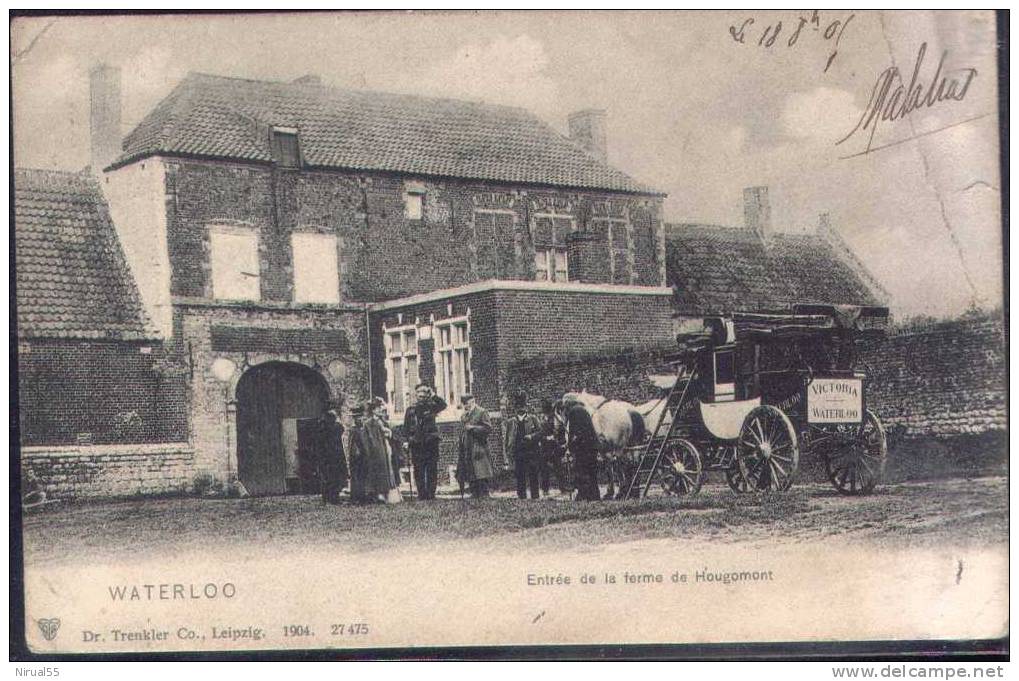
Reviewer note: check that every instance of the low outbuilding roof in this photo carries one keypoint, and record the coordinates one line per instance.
(725, 269)
(71, 275)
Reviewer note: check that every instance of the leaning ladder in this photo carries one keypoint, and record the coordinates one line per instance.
(655, 448)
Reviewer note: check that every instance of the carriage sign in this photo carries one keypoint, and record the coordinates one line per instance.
(835, 400)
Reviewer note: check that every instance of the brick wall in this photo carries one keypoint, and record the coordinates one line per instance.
(100, 392)
(620, 375)
(513, 328)
(943, 380)
(72, 472)
(469, 231)
(545, 324)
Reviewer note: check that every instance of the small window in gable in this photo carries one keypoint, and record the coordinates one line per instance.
(414, 201)
(285, 150)
(233, 253)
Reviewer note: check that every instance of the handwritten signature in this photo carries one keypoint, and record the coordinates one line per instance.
(771, 32)
(888, 103)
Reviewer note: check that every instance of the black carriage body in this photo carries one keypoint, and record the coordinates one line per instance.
(782, 372)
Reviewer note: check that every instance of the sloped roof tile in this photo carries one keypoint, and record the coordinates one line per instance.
(216, 116)
(722, 269)
(71, 276)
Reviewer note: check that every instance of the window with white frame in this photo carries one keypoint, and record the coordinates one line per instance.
(401, 347)
(233, 255)
(452, 360)
(316, 278)
(550, 264)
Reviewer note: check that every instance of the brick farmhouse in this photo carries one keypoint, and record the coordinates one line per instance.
(256, 252)
(288, 246)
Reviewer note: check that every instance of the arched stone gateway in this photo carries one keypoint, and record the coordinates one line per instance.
(277, 448)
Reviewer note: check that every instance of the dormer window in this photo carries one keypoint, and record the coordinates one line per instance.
(285, 151)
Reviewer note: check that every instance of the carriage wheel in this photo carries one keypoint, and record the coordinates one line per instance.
(735, 476)
(767, 451)
(680, 470)
(857, 466)
(726, 456)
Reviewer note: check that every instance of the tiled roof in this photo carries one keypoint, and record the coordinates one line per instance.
(71, 275)
(722, 269)
(215, 116)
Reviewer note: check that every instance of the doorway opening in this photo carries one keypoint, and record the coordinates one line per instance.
(278, 408)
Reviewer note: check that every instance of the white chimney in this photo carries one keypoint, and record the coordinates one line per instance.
(104, 92)
(757, 210)
(587, 128)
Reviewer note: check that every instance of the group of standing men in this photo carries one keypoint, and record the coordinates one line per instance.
(530, 444)
(374, 467)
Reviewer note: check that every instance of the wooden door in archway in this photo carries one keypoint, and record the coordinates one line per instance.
(271, 397)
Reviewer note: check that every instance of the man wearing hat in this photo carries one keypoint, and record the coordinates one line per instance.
(583, 444)
(474, 465)
(358, 463)
(523, 433)
(333, 468)
(551, 453)
(423, 439)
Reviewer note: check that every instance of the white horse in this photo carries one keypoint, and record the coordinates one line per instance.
(618, 425)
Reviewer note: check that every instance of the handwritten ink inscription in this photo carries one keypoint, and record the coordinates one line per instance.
(892, 99)
(770, 34)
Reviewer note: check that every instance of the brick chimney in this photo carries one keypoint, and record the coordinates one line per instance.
(824, 223)
(757, 210)
(587, 128)
(104, 92)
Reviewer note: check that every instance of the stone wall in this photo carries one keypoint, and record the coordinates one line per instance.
(72, 472)
(223, 340)
(942, 380)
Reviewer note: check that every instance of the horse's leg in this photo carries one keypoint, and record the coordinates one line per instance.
(621, 475)
(610, 491)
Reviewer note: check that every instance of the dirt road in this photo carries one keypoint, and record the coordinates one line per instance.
(921, 514)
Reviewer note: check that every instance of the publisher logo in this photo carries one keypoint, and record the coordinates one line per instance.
(49, 627)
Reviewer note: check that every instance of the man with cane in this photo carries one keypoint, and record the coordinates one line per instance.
(423, 439)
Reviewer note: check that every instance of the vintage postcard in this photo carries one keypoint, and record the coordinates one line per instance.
(449, 329)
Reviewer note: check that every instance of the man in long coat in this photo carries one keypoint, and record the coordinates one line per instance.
(583, 444)
(357, 458)
(333, 468)
(474, 466)
(523, 433)
(368, 448)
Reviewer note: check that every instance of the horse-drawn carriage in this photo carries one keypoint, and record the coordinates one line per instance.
(753, 391)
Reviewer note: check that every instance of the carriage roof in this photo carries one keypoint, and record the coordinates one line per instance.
(805, 322)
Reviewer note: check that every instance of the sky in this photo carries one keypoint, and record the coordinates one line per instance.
(690, 109)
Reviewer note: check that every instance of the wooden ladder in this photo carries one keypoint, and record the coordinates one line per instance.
(655, 448)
